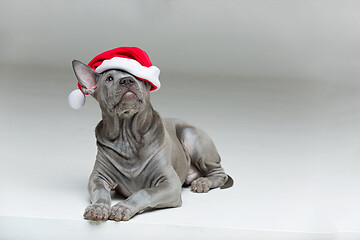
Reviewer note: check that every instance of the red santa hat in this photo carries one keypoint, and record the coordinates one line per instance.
(130, 59)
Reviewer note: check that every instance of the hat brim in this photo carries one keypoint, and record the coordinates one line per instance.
(148, 74)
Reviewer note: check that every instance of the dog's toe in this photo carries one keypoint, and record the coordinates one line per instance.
(97, 212)
(121, 212)
(200, 185)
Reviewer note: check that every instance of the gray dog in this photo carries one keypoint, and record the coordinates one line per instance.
(143, 157)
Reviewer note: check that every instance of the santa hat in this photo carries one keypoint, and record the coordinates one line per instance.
(130, 59)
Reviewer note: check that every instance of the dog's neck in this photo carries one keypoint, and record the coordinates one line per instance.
(124, 128)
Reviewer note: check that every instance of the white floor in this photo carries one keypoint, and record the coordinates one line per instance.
(292, 146)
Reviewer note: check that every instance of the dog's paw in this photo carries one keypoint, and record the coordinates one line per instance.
(201, 185)
(97, 212)
(122, 211)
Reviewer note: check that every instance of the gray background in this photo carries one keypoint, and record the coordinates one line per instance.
(275, 83)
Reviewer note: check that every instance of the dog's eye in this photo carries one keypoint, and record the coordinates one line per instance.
(109, 79)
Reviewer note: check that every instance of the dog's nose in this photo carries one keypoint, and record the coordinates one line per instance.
(126, 81)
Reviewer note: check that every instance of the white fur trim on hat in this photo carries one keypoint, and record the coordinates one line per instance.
(131, 66)
(76, 99)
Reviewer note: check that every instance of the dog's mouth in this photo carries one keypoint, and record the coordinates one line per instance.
(128, 97)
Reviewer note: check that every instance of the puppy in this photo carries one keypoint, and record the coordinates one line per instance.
(143, 157)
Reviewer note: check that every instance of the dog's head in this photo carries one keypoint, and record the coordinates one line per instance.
(118, 92)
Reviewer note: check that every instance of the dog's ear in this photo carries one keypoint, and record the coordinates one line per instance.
(148, 85)
(86, 76)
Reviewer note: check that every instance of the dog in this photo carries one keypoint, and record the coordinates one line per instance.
(143, 157)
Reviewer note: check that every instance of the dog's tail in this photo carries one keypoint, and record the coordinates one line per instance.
(228, 183)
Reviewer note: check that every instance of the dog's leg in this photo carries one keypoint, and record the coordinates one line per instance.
(166, 194)
(205, 171)
(100, 199)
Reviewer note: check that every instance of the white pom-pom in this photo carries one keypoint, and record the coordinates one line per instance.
(76, 99)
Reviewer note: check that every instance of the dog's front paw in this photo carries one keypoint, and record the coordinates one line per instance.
(201, 185)
(97, 212)
(122, 211)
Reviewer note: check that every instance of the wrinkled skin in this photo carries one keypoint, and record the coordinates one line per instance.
(141, 156)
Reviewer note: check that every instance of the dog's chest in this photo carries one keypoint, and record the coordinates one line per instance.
(127, 164)
(134, 174)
